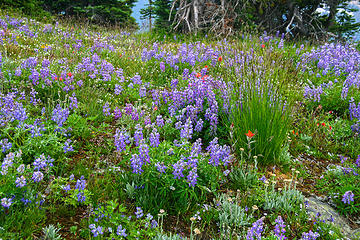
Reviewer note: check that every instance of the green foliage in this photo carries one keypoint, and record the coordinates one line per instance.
(259, 108)
(242, 178)
(51, 233)
(162, 12)
(338, 180)
(154, 190)
(109, 11)
(286, 201)
(114, 218)
(233, 219)
(29, 7)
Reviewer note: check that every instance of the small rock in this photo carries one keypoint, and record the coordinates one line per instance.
(316, 206)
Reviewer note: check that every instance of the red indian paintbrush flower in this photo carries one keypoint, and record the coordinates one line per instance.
(220, 59)
(249, 134)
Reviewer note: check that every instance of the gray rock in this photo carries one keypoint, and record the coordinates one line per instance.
(316, 206)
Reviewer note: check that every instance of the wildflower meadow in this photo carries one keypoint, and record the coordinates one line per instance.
(110, 134)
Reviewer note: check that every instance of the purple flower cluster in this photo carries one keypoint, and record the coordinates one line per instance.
(11, 109)
(5, 145)
(138, 135)
(7, 162)
(67, 146)
(106, 109)
(218, 153)
(73, 102)
(95, 67)
(6, 202)
(154, 138)
(42, 162)
(20, 182)
(36, 128)
(355, 114)
(80, 186)
(337, 59)
(121, 231)
(60, 115)
(136, 164)
(348, 197)
(187, 130)
(279, 229)
(254, 233)
(310, 235)
(121, 140)
(139, 212)
(96, 231)
(313, 93)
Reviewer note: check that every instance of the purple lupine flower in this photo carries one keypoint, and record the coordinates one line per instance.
(37, 176)
(21, 168)
(121, 231)
(187, 130)
(128, 108)
(106, 109)
(139, 212)
(118, 89)
(192, 177)
(6, 202)
(160, 121)
(162, 66)
(60, 115)
(279, 229)
(154, 223)
(40, 162)
(226, 172)
(218, 153)
(357, 162)
(349, 170)
(178, 125)
(138, 135)
(20, 182)
(348, 197)
(34, 77)
(135, 115)
(121, 140)
(36, 128)
(5, 145)
(186, 73)
(255, 231)
(136, 79)
(80, 83)
(136, 164)
(144, 151)
(67, 146)
(73, 102)
(199, 125)
(263, 179)
(142, 91)
(67, 188)
(81, 197)
(117, 113)
(174, 83)
(96, 230)
(7, 162)
(154, 138)
(80, 184)
(196, 148)
(160, 167)
(310, 235)
(178, 169)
